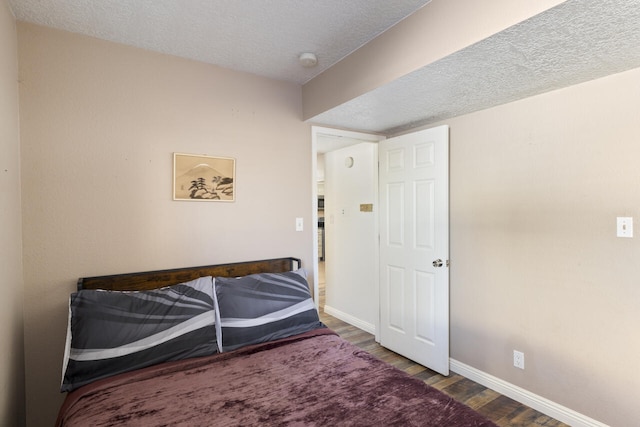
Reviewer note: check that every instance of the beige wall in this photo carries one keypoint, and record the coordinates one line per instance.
(11, 355)
(99, 124)
(535, 189)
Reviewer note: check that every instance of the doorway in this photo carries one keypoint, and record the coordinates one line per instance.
(346, 165)
(413, 209)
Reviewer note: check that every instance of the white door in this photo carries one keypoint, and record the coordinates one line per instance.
(414, 246)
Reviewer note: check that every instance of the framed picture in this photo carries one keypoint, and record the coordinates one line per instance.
(203, 178)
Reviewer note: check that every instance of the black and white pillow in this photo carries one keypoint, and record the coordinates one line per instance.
(112, 332)
(263, 307)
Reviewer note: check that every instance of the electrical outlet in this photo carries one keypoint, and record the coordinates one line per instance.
(518, 359)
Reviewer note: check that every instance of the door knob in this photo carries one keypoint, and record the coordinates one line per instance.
(437, 263)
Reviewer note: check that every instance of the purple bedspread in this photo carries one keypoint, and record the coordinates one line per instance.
(313, 379)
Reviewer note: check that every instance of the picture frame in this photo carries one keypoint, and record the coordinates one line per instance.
(203, 178)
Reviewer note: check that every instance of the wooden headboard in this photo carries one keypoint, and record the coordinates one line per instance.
(161, 278)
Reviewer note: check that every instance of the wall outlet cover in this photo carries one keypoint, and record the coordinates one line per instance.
(624, 226)
(518, 359)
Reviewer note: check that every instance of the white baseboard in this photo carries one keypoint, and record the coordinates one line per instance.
(539, 403)
(365, 326)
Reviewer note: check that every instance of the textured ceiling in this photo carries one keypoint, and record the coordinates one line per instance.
(263, 37)
(576, 41)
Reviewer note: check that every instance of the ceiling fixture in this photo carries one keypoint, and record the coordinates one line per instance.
(308, 60)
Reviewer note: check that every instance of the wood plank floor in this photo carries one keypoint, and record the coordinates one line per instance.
(498, 408)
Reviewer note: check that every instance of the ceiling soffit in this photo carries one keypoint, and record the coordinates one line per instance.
(576, 41)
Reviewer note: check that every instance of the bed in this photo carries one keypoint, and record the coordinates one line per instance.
(228, 345)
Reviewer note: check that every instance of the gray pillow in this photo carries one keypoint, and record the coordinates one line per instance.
(112, 332)
(264, 307)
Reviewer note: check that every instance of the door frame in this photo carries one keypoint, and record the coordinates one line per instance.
(316, 133)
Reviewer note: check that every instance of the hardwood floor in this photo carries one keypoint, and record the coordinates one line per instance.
(498, 408)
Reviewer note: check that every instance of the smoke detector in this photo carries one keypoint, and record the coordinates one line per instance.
(308, 60)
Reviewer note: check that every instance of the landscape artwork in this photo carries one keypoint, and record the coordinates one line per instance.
(203, 178)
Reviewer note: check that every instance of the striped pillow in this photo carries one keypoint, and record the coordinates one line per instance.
(263, 307)
(112, 332)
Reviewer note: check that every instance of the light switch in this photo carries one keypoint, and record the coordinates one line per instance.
(299, 224)
(625, 226)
